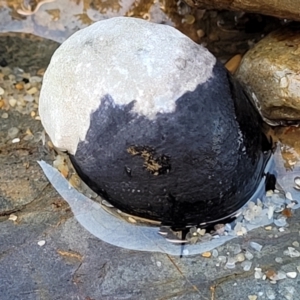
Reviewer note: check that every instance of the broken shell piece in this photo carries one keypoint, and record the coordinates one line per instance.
(256, 246)
(106, 203)
(291, 274)
(41, 243)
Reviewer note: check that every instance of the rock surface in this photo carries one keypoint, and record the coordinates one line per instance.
(149, 118)
(280, 9)
(270, 70)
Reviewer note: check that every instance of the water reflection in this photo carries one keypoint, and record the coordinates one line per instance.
(57, 20)
(224, 33)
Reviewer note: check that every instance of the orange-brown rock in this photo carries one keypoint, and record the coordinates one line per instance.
(280, 9)
(270, 70)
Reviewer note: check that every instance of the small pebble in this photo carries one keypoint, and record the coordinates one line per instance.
(200, 33)
(131, 220)
(291, 274)
(4, 116)
(281, 229)
(240, 257)
(252, 297)
(16, 140)
(158, 263)
(41, 243)
(19, 86)
(201, 231)
(12, 217)
(206, 254)
(268, 228)
(246, 265)
(1, 91)
(189, 19)
(258, 274)
(256, 246)
(295, 244)
(298, 268)
(28, 98)
(12, 102)
(32, 91)
(233, 63)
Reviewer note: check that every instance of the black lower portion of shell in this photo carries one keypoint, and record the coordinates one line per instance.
(198, 164)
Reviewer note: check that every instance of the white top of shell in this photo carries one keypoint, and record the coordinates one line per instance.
(127, 58)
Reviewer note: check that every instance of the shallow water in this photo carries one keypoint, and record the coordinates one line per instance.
(224, 33)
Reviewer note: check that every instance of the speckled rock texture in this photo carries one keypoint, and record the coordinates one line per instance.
(270, 70)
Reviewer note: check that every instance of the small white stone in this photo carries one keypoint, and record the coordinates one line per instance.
(158, 263)
(12, 102)
(291, 252)
(258, 274)
(16, 140)
(295, 244)
(12, 217)
(4, 116)
(41, 243)
(268, 228)
(132, 220)
(291, 274)
(281, 229)
(1, 91)
(252, 297)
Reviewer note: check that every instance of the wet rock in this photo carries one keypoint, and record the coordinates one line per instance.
(148, 130)
(270, 70)
(281, 9)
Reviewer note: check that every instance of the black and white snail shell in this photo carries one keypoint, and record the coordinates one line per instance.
(153, 123)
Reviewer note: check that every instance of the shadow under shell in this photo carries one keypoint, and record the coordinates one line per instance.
(198, 164)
